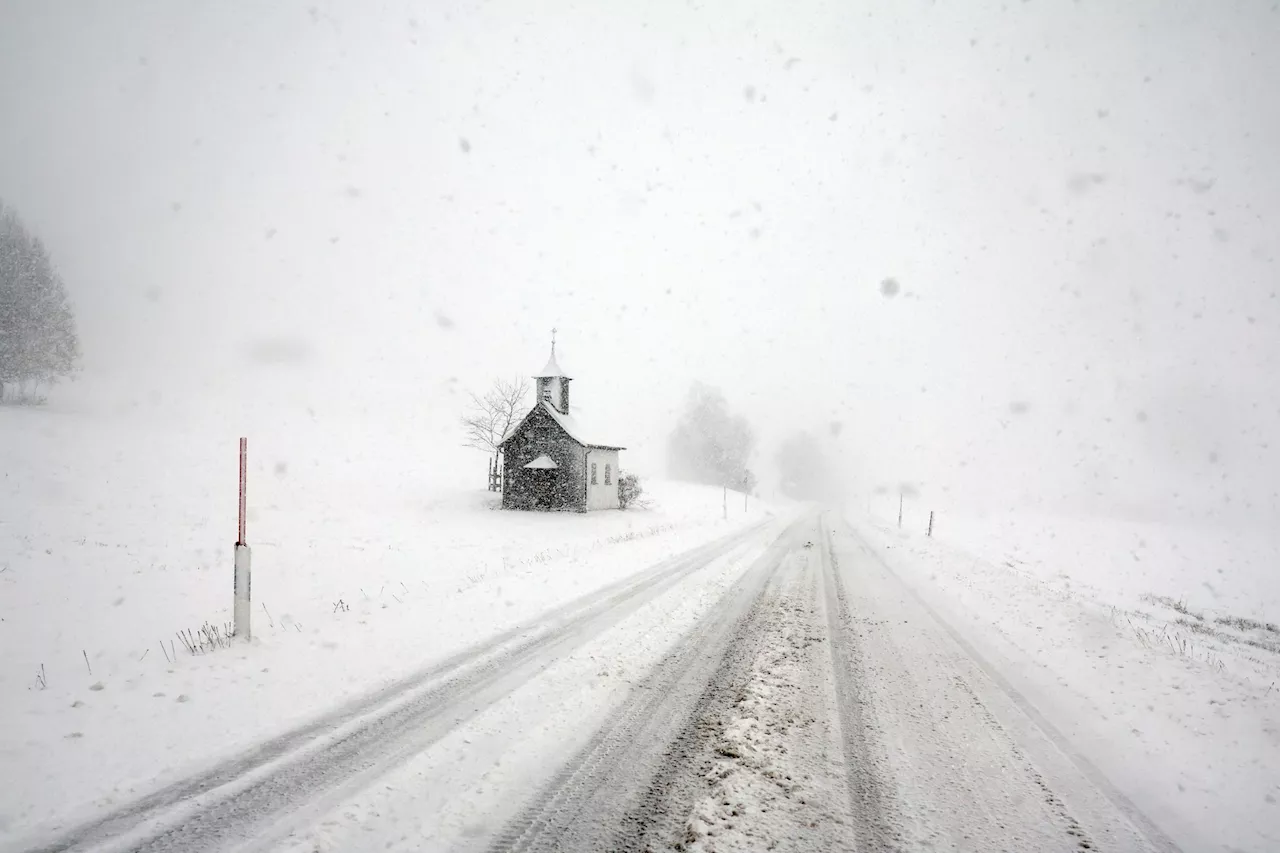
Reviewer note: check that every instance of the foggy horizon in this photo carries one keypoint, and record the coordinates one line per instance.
(1020, 253)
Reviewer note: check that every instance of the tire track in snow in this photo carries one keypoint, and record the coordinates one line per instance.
(227, 802)
(874, 822)
(609, 795)
(954, 778)
(771, 773)
(1046, 742)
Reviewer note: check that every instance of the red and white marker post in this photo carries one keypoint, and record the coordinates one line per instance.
(242, 610)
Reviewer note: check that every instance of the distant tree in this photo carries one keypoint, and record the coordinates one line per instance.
(38, 341)
(491, 417)
(709, 444)
(804, 469)
(629, 490)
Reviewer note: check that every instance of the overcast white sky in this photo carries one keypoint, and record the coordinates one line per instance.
(1080, 202)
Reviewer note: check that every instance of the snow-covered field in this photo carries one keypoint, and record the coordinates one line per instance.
(371, 558)
(1220, 571)
(1153, 649)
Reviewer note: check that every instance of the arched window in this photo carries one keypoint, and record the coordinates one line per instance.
(593, 473)
(608, 475)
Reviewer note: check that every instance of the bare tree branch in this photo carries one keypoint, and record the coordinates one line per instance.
(491, 417)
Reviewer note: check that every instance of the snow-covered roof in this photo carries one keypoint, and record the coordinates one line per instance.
(577, 430)
(552, 368)
(574, 426)
(544, 461)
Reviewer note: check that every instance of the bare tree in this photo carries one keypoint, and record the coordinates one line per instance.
(492, 416)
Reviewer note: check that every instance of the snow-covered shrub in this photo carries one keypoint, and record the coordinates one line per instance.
(629, 489)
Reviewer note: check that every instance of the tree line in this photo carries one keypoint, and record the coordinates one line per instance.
(38, 340)
(712, 445)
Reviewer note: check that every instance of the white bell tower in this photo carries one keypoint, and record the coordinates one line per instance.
(552, 384)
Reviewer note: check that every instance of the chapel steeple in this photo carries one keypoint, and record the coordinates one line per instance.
(553, 385)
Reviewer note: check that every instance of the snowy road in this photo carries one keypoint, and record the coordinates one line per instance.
(760, 692)
(824, 707)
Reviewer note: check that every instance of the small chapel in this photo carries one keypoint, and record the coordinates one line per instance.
(549, 459)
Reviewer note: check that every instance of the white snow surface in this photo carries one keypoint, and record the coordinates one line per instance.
(1179, 711)
(372, 557)
(1221, 570)
(455, 794)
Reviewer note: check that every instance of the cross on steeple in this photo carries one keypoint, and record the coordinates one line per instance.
(553, 341)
